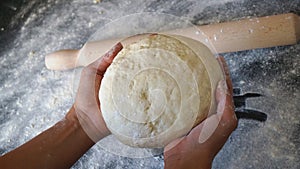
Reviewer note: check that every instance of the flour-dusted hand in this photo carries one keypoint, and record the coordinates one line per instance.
(87, 104)
(200, 146)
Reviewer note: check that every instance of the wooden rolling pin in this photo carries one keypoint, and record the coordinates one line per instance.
(270, 31)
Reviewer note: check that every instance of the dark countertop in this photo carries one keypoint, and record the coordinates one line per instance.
(34, 98)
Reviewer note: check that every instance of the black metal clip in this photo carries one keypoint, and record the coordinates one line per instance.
(240, 106)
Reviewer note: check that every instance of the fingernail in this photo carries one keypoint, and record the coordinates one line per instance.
(114, 50)
(222, 86)
(223, 91)
(109, 53)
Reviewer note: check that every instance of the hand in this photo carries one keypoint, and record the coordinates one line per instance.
(87, 104)
(201, 145)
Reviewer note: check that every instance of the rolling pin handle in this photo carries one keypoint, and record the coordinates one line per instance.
(62, 60)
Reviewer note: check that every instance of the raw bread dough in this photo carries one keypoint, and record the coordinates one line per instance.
(156, 90)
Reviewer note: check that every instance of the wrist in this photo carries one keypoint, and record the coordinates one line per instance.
(91, 122)
(72, 119)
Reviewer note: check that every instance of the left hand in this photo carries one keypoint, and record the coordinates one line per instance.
(87, 104)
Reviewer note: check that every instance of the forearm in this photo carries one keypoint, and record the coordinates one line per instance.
(58, 147)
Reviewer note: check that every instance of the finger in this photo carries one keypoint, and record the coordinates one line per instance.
(102, 63)
(91, 76)
(221, 91)
(226, 126)
(213, 132)
(225, 108)
(226, 71)
(225, 119)
(173, 144)
(211, 124)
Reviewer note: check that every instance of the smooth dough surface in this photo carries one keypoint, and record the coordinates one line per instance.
(155, 91)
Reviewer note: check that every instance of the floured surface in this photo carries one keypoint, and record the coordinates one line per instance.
(42, 97)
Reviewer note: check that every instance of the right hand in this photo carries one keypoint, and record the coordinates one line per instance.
(201, 145)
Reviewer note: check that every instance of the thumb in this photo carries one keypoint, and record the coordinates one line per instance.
(210, 125)
(103, 62)
(99, 66)
(216, 129)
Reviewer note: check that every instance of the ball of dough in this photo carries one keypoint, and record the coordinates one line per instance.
(157, 89)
